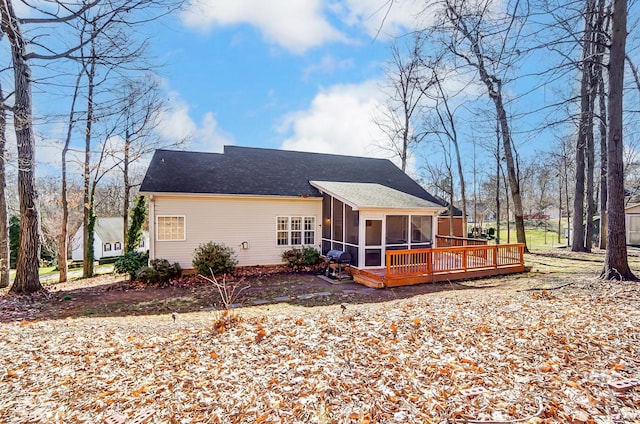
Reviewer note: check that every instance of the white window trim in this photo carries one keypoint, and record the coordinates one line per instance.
(104, 247)
(302, 230)
(184, 220)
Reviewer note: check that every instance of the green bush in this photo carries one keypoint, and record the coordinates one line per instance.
(296, 258)
(131, 263)
(311, 255)
(166, 271)
(216, 258)
(158, 271)
(148, 275)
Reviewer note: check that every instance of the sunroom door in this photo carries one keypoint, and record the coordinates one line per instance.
(373, 243)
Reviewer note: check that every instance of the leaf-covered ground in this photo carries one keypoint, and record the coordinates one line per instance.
(492, 354)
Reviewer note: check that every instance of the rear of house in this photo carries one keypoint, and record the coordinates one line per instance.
(262, 202)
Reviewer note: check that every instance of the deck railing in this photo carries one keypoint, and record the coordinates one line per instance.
(404, 263)
(451, 241)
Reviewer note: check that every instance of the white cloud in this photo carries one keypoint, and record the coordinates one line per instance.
(339, 120)
(296, 25)
(177, 124)
(382, 18)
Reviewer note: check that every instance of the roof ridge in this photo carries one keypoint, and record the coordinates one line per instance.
(232, 146)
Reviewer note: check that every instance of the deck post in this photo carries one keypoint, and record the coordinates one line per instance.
(521, 251)
(495, 256)
(464, 260)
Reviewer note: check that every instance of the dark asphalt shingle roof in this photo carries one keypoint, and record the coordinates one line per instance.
(268, 172)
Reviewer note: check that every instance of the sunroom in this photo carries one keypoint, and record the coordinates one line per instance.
(367, 220)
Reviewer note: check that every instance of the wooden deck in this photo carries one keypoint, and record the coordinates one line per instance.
(418, 266)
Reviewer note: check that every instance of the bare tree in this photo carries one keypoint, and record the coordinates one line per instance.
(467, 23)
(603, 29)
(585, 162)
(4, 215)
(88, 220)
(63, 239)
(447, 127)
(138, 121)
(616, 265)
(441, 175)
(400, 119)
(23, 51)
(27, 279)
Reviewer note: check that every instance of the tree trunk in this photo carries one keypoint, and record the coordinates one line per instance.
(497, 184)
(4, 216)
(63, 242)
(127, 190)
(463, 193)
(27, 279)
(506, 198)
(602, 107)
(603, 166)
(559, 208)
(590, 156)
(494, 91)
(594, 66)
(616, 266)
(87, 238)
(578, 240)
(514, 183)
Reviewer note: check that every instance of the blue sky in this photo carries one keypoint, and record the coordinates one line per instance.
(295, 74)
(303, 75)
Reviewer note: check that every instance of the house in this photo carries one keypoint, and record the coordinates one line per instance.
(108, 239)
(261, 202)
(632, 223)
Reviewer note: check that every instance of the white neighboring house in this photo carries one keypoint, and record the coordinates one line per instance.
(108, 240)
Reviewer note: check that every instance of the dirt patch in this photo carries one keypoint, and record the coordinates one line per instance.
(112, 295)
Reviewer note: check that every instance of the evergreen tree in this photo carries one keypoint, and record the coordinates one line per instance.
(134, 234)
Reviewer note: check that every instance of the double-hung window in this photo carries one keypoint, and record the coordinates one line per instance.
(296, 230)
(170, 228)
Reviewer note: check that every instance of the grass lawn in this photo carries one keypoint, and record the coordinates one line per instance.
(51, 271)
(554, 345)
(47, 270)
(537, 237)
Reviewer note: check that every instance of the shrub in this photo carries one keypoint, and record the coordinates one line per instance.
(131, 263)
(148, 275)
(292, 257)
(158, 271)
(166, 271)
(311, 255)
(296, 258)
(216, 258)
